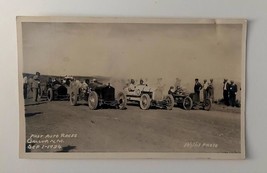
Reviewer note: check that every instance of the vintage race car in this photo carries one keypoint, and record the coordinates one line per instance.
(187, 101)
(149, 97)
(97, 95)
(53, 91)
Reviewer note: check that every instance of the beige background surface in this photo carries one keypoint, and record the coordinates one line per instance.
(255, 11)
(129, 50)
(125, 51)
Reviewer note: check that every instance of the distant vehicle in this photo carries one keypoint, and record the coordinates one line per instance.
(149, 97)
(187, 100)
(97, 95)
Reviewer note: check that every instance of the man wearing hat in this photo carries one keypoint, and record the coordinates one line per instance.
(197, 89)
(225, 92)
(232, 93)
(35, 86)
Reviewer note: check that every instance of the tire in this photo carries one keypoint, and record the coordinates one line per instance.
(73, 98)
(207, 104)
(93, 100)
(50, 94)
(122, 100)
(187, 103)
(169, 98)
(145, 101)
(40, 94)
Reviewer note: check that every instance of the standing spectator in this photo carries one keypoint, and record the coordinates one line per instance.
(226, 92)
(232, 93)
(205, 89)
(211, 90)
(177, 83)
(36, 86)
(197, 89)
(25, 87)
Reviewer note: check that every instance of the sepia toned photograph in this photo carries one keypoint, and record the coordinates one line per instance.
(131, 87)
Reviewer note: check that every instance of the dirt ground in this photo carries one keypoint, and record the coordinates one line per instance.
(59, 127)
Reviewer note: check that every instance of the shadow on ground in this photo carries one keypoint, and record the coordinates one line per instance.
(32, 114)
(34, 104)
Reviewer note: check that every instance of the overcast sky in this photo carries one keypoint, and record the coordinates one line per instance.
(149, 51)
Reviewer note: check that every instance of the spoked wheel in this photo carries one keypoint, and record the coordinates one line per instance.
(50, 94)
(73, 98)
(93, 100)
(40, 94)
(122, 100)
(145, 101)
(170, 102)
(187, 103)
(207, 104)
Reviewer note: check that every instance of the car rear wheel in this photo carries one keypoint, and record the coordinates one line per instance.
(73, 98)
(187, 103)
(207, 104)
(122, 100)
(50, 94)
(170, 102)
(93, 100)
(145, 101)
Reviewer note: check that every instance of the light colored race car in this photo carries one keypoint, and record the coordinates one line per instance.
(149, 97)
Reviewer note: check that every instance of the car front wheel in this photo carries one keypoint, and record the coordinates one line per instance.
(145, 101)
(93, 100)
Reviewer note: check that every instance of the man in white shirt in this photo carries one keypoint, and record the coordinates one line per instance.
(211, 90)
(205, 91)
(226, 92)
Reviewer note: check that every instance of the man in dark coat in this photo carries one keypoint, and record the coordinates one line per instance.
(226, 92)
(232, 93)
(25, 87)
(197, 89)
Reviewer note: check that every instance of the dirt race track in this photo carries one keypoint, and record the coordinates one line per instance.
(78, 129)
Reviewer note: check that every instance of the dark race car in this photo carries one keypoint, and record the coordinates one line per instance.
(54, 90)
(187, 100)
(97, 95)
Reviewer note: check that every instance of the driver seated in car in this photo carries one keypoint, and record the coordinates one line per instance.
(142, 83)
(84, 86)
(131, 86)
(171, 90)
(179, 90)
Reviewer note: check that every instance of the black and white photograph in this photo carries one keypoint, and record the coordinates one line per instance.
(131, 87)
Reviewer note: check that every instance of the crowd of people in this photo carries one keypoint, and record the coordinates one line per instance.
(229, 91)
(33, 84)
(207, 87)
